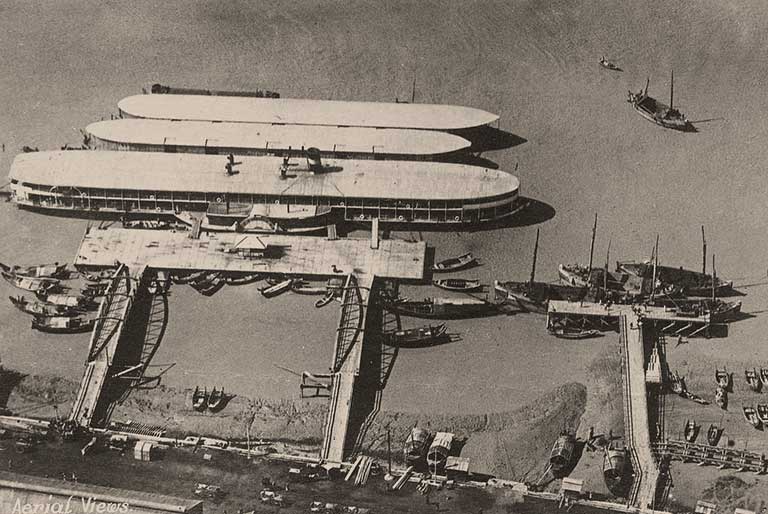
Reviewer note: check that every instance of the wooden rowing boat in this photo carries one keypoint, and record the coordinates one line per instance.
(54, 270)
(32, 284)
(304, 287)
(764, 376)
(68, 300)
(325, 300)
(713, 434)
(442, 308)
(62, 324)
(750, 414)
(240, 279)
(721, 398)
(691, 431)
(608, 65)
(216, 400)
(276, 289)
(37, 308)
(457, 284)
(753, 381)
(762, 413)
(574, 333)
(454, 264)
(421, 336)
(200, 399)
(723, 378)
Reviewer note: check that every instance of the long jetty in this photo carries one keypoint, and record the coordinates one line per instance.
(636, 420)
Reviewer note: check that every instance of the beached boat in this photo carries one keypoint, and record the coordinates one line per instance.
(416, 446)
(458, 284)
(62, 324)
(753, 380)
(762, 413)
(276, 289)
(574, 333)
(240, 279)
(216, 400)
(442, 308)
(304, 287)
(608, 65)
(691, 430)
(200, 399)
(723, 378)
(37, 308)
(54, 270)
(325, 300)
(422, 336)
(454, 264)
(713, 434)
(32, 284)
(750, 414)
(659, 113)
(692, 283)
(764, 376)
(721, 398)
(561, 456)
(615, 468)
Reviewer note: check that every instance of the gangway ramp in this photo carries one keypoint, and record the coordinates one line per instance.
(637, 424)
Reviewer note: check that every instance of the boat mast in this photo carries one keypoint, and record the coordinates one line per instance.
(672, 92)
(714, 277)
(605, 271)
(655, 265)
(647, 83)
(703, 252)
(591, 253)
(535, 252)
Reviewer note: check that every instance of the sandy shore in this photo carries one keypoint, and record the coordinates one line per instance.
(533, 63)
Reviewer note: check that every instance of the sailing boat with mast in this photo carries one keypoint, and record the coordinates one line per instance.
(533, 296)
(659, 113)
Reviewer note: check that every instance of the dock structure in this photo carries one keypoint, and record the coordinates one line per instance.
(605, 316)
(293, 111)
(636, 419)
(210, 137)
(705, 455)
(268, 254)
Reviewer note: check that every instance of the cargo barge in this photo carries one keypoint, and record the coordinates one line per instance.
(112, 184)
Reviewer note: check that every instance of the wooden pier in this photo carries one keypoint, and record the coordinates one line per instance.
(605, 316)
(705, 455)
(249, 253)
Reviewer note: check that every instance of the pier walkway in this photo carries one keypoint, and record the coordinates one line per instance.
(110, 322)
(605, 316)
(636, 421)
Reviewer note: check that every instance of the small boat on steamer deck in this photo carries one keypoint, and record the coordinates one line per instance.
(62, 324)
(37, 308)
(54, 270)
(457, 284)
(454, 264)
(422, 336)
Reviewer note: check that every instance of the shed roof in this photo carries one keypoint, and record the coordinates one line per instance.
(238, 135)
(156, 171)
(293, 111)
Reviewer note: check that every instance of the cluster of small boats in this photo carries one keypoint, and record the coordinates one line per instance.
(214, 401)
(691, 432)
(55, 307)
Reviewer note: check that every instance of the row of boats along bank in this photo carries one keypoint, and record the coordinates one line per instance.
(264, 164)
